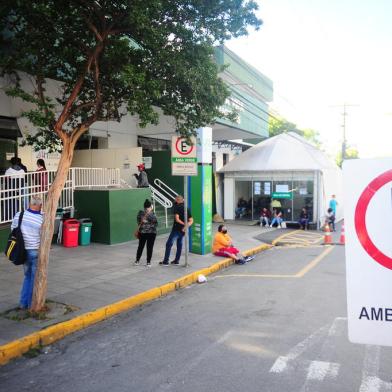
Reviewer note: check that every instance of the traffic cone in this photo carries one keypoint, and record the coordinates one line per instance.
(327, 235)
(342, 240)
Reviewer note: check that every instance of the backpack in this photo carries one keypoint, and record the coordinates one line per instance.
(15, 248)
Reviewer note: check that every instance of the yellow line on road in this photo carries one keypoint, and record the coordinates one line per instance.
(314, 262)
(283, 236)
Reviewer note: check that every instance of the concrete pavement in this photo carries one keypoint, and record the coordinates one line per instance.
(97, 275)
(245, 330)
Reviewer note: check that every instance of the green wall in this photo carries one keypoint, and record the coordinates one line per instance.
(5, 230)
(112, 211)
(161, 168)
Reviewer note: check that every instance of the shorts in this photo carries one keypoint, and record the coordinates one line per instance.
(224, 252)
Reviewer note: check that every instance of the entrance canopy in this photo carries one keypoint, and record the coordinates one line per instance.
(287, 151)
(285, 166)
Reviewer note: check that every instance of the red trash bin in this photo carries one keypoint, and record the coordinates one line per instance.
(71, 233)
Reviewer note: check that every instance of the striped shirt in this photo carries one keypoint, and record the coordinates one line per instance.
(31, 227)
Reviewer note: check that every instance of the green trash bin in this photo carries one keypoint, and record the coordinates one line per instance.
(85, 231)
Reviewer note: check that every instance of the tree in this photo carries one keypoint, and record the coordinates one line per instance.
(278, 125)
(111, 57)
(351, 153)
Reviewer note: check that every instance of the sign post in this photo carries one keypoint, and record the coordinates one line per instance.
(368, 224)
(184, 163)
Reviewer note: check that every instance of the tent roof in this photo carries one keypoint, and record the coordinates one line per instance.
(284, 152)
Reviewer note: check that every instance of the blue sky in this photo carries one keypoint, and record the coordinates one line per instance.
(323, 53)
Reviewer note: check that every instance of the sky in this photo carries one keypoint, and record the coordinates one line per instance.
(321, 54)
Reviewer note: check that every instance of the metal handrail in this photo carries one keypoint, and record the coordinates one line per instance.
(171, 193)
(160, 198)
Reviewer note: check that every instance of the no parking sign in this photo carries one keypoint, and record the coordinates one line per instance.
(368, 223)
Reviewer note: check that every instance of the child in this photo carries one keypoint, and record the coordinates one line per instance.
(331, 219)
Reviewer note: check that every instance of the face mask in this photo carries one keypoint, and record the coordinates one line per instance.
(224, 231)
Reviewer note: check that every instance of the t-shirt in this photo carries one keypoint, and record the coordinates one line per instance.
(332, 204)
(180, 210)
(30, 227)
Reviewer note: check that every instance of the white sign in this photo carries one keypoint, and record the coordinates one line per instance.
(183, 156)
(267, 188)
(204, 145)
(281, 188)
(257, 186)
(147, 162)
(368, 224)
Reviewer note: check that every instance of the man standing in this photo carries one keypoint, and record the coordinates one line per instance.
(31, 231)
(333, 204)
(178, 231)
(142, 179)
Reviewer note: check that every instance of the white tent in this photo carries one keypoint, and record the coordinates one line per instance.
(287, 155)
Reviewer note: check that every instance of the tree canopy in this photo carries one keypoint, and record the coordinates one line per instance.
(278, 125)
(117, 56)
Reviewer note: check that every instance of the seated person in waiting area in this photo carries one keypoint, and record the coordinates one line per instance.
(223, 246)
(304, 219)
(277, 218)
(241, 208)
(265, 217)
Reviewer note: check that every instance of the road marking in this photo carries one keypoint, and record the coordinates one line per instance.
(299, 274)
(314, 262)
(283, 236)
(370, 380)
(319, 370)
(282, 363)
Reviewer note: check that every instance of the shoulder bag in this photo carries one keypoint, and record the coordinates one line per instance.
(15, 248)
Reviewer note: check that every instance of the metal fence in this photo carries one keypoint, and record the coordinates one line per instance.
(16, 190)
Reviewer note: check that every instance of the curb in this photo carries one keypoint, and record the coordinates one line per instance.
(58, 331)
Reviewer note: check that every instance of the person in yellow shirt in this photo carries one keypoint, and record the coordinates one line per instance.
(223, 246)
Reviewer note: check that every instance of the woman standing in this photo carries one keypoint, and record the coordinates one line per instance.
(148, 223)
(41, 178)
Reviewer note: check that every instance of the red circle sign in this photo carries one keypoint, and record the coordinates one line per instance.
(360, 219)
(183, 147)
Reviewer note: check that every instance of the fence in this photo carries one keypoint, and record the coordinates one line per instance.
(16, 190)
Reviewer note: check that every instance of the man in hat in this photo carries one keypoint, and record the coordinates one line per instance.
(142, 179)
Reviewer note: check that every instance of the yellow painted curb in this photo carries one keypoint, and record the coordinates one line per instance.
(58, 331)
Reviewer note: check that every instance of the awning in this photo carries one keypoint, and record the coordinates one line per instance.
(9, 128)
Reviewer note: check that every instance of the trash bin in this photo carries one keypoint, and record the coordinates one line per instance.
(70, 233)
(85, 231)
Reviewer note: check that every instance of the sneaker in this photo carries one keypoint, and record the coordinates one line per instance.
(148, 265)
(241, 261)
(174, 262)
(136, 262)
(249, 258)
(165, 263)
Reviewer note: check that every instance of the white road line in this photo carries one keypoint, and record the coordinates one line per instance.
(282, 363)
(319, 370)
(322, 369)
(370, 380)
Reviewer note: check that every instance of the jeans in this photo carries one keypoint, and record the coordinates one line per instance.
(174, 236)
(277, 220)
(30, 266)
(150, 239)
(264, 221)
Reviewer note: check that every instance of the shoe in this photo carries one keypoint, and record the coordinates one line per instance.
(165, 263)
(249, 258)
(148, 265)
(241, 261)
(136, 262)
(174, 262)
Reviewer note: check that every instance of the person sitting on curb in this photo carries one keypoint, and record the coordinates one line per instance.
(223, 246)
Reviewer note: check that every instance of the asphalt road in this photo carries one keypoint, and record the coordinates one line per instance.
(276, 324)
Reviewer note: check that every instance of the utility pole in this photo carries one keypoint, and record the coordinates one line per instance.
(344, 114)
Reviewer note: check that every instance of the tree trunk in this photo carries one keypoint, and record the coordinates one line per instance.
(51, 203)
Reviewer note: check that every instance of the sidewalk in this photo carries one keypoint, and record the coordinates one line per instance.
(97, 275)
